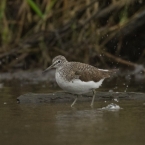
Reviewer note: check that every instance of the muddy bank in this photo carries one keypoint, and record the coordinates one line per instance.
(66, 97)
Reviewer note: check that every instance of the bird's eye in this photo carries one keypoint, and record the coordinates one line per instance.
(58, 61)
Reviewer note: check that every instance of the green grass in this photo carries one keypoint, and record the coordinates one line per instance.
(35, 8)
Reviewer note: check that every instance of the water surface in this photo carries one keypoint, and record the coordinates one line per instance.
(58, 123)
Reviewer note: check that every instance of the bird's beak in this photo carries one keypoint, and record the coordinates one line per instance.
(49, 68)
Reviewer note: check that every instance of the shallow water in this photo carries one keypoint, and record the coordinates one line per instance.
(58, 123)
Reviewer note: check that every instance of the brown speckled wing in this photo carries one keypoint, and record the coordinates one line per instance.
(84, 72)
(87, 72)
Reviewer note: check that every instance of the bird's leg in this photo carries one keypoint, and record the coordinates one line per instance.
(94, 94)
(74, 101)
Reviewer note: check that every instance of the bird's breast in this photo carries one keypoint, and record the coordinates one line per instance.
(76, 86)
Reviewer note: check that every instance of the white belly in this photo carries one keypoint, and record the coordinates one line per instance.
(76, 86)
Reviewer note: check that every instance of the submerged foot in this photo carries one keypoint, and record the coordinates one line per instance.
(92, 105)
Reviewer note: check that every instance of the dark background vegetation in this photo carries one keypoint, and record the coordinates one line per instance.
(104, 33)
